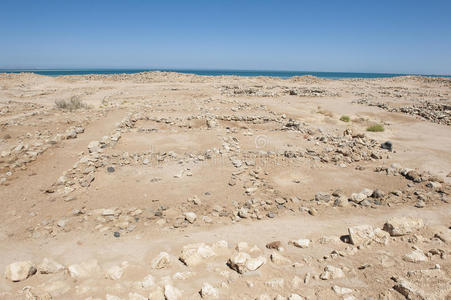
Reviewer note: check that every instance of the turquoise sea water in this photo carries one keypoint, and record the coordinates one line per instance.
(282, 74)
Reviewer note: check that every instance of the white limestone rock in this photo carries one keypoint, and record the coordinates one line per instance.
(194, 254)
(398, 226)
(49, 266)
(19, 271)
(208, 291)
(161, 261)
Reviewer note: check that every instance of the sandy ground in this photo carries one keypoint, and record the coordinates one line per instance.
(175, 186)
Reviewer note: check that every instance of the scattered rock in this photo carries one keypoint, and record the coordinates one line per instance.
(161, 261)
(341, 290)
(387, 145)
(116, 272)
(171, 293)
(398, 226)
(331, 272)
(277, 245)
(301, 243)
(408, 289)
(84, 270)
(208, 291)
(49, 266)
(190, 217)
(19, 271)
(242, 262)
(363, 235)
(415, 256)
(194, 254)
(279, 259)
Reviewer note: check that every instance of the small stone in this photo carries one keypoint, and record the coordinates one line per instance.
(115, 272)
(341, 201)
(161, 261)
(171, 293)
(148, 282)
(271, 215)
(242, 262)
(278, 259)
(420, 204)
(341, 290)
(208, 291)
(110, 169)
(49, 266)
(116, 234)
(253, 264)
(358, 197)
(312, 211)
(94, 146)
(408, 289)
(295, 297)
(378, 194)
(331, 272)
(413, 175)
(280, 201)
(415, 256)
(190, 217)
(20, 271)
(277, 245)
(434, 185)
(243, 213)
(84, 270)
(237, 262)
(62, 223)
(300, 243)
(322, 197)
(387, 145)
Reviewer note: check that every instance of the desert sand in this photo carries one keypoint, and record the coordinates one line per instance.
(172, 186)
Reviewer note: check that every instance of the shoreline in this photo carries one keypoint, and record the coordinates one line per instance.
(217, 73)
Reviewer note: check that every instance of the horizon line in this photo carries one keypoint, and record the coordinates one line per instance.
(206, 69)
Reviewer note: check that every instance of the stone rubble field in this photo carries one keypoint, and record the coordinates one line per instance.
(173, 186)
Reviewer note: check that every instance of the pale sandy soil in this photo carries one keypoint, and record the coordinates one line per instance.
(256, 160)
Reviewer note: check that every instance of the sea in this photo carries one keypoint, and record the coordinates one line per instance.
(281, 74)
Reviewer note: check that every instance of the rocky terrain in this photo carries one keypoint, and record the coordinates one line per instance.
(173, 186)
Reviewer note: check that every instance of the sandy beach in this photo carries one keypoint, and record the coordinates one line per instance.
(162, 185)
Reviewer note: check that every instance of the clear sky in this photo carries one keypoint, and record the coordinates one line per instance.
(362, 36)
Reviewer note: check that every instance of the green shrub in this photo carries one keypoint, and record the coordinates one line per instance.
(345, 118)
(376, 128)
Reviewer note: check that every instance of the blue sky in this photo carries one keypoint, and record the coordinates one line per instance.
(361, 36)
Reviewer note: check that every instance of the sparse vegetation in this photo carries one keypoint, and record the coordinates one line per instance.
(325, 112)
(376, 128)
(73, 104)
(345, 118)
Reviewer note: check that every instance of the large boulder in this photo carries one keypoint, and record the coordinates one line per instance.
(243, 262)
(398, 226)
(363, 235)
(194, 254)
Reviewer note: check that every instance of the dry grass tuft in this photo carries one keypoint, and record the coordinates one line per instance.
(73, 104)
